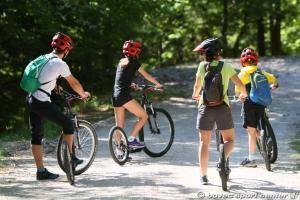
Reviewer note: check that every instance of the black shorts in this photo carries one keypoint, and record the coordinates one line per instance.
(208, 116)
(39, 110)
(119, 101)
(251, 115)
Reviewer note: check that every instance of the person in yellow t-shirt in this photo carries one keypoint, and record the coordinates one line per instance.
(220, 113)
(251, 111)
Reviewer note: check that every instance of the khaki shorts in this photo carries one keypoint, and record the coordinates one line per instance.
(208, 116)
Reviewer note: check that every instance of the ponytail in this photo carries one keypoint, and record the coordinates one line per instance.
(123, 63)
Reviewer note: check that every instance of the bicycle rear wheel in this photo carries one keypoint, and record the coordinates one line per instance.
(67, 163)
(158, 133)
(222, 168)
(84, 146)
(262, 144)
(117, 143)
(271, 142)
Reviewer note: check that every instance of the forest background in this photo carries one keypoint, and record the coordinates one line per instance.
(167, 29)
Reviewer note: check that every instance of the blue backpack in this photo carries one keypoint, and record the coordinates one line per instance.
(260, 92)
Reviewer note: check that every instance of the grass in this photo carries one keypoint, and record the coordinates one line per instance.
(296, 144)
(3, 155)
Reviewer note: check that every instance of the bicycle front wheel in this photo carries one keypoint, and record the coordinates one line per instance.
(117, 143)
(222, 168)
(67, 163)
(85, 144)
(158, 133)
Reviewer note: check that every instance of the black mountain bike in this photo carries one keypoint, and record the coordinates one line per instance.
(68, 164)
(266, 142)
(223, 167)
(84, 144)
(157, 134)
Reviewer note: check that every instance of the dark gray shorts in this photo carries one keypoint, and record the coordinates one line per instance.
(208, 116)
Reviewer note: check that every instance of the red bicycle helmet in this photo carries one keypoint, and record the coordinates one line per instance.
(248, 54)
(62, 41)
(131, 48)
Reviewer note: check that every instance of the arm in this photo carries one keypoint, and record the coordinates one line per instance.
(197, 88)
(272, 80)
(76, 86)
(148, 77)
(240, 86)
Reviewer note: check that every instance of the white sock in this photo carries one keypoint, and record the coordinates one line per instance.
(130, 138)
(251, 156)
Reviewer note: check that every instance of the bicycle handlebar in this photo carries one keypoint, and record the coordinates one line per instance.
(146, 88)
(71, 97)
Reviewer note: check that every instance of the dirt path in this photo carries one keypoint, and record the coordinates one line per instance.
(176, 175)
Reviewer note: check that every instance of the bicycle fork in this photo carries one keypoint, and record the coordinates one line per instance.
(152, 119)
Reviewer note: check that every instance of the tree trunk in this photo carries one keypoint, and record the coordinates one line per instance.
(225, 23)
(261, 37)
(275, 26)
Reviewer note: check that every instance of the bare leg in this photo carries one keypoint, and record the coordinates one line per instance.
(119, 116)
(135, 108)
(252, 133)
(37, 151)
(69, 139)
(204, 141)
(228, 138)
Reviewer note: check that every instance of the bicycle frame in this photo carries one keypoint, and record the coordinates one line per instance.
(148, 107)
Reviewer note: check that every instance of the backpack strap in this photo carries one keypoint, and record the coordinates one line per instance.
(47, 93)
(219, 67)
(252, 78)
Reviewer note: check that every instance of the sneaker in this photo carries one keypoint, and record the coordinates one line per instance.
(135, 144)
(76, 161)
(204, 180)
(46, 175)
(248, 163)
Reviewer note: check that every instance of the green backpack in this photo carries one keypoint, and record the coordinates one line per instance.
(30, 80)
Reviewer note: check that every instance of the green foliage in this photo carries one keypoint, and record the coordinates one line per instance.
(168, 30)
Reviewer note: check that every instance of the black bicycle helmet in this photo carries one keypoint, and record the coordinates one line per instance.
(211, 46)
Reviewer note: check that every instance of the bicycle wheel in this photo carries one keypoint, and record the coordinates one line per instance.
(222, 168)
(217, 132)
(117, 143)
(266, 153)
(271, 143)
(84, 146)
(158, 133)
(67, 163)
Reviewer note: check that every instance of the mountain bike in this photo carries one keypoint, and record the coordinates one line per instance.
(84, 143)
(223, 167)
(266, 142)
(68, 163)
(157, 134)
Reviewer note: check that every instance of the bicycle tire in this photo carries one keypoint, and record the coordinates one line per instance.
(117, 147)
(148, 136)
(67, 162)
(266, 154)
(222, 171)
(271, 136)
(84, 136)
(217, 133)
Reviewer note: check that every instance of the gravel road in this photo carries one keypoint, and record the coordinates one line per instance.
(176, 175)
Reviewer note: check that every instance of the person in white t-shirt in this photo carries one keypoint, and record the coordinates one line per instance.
(40, 106)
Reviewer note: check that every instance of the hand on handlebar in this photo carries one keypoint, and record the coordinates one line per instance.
(274, 86)
(134, 86)
(196, 97)
(242, 97)
(86, 96)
